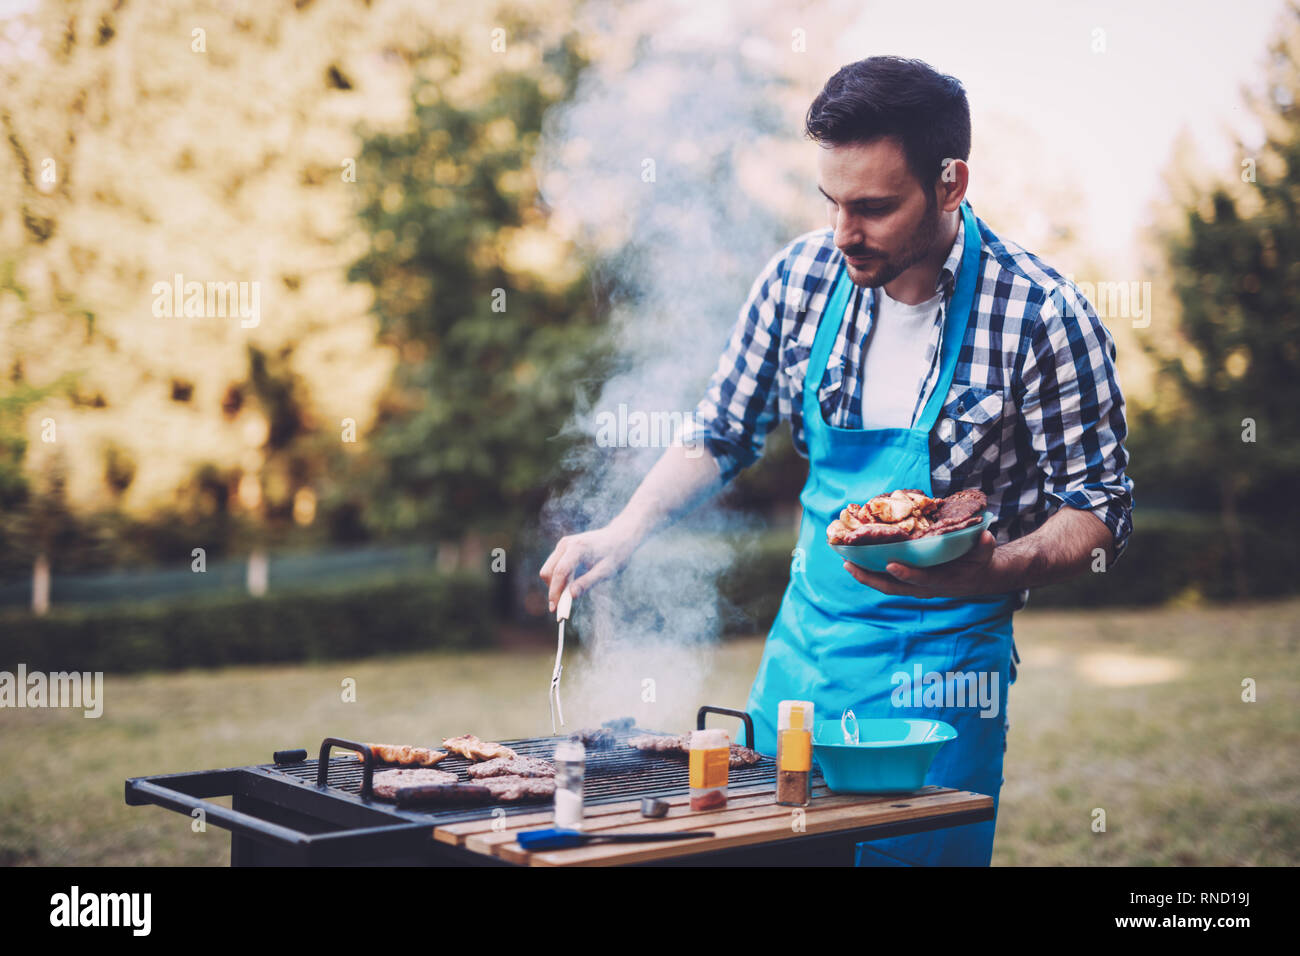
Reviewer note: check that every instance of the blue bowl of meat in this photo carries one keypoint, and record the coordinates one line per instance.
(910, 527)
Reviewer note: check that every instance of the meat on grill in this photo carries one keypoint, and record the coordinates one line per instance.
(680, 746)
(404, 755)
(594, 738)
(513, 789)
(386, 783)
(443, 795)
(661, 743)
(511, 767)
(471, 748)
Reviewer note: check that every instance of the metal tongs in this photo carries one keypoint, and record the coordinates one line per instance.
(562, 609)
(847, 718)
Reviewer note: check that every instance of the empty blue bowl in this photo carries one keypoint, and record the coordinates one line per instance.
(892, 754)
(921, 553)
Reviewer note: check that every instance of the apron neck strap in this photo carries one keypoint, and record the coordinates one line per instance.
(828, 326)
(956, 319)
(954, 328)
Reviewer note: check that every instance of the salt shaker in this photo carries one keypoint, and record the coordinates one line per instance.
(570, 768)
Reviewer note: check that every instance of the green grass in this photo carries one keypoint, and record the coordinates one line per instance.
(1186, 773)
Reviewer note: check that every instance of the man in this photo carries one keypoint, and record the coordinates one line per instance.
(909, 347)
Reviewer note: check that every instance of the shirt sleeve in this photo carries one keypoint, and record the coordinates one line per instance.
(740, 405)
(1074, 411)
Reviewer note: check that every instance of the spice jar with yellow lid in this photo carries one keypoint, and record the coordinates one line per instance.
(794, 753)
(710, 757)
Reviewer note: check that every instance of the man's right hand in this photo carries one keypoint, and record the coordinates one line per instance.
(601, 553)
(681, 477)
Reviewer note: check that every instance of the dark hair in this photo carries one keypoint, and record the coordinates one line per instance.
(892, 96)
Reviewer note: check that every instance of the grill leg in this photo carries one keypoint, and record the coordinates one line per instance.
(246, 851)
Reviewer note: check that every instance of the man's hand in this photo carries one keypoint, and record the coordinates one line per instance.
(680, 479)
(975, 572)
(601, 553)
(1066, 544)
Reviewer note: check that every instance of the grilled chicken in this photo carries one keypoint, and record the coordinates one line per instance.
(404, 755)
(471, 748)
(890, 508)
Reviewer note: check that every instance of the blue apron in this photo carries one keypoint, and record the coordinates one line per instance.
(842, 644)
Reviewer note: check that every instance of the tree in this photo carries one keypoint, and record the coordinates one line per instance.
(492, 315)
(1231, 378)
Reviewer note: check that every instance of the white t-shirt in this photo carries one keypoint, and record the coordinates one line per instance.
(895, 367)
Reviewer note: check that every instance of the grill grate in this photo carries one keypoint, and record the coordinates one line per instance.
(613, 774)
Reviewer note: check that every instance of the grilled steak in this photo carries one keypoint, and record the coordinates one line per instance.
(388, 782)
(439, 795)
(681, 746)
(513, 789)
(661, 743)
(471, 748)
(943, 527)
(961, 505)
(511, 767)
(871, 533)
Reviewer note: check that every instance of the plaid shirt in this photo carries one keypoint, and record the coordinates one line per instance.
(1034, 416)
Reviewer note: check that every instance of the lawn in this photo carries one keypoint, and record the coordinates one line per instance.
(1138, 713)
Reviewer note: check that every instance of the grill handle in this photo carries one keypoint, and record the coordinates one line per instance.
(728, 712)
(367, 773)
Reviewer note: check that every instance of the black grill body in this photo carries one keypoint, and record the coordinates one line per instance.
(280, 815)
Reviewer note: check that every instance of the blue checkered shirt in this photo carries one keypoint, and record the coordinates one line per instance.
(1034, 416)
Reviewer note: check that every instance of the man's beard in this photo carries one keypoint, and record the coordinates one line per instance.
(917, 250)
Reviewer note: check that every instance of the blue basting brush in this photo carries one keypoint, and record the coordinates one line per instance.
(554, 838)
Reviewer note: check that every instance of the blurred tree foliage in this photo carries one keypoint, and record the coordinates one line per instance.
(493, 318)
(142, 142)
(1228, 413)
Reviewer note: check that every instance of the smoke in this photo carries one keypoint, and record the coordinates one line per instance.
(650, 158)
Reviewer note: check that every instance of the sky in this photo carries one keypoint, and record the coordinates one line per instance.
(1111, 117)
(1107, 118)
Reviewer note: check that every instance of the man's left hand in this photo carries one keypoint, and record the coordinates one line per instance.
(975, 572)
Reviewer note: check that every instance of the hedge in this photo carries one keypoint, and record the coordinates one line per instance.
(319, 623)
(1169, 556)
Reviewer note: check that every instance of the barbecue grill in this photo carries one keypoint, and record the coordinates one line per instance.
(298, 811)
(321, 812)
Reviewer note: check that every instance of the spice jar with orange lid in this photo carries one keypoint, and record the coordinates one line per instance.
(794, 753)
(710, 756)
